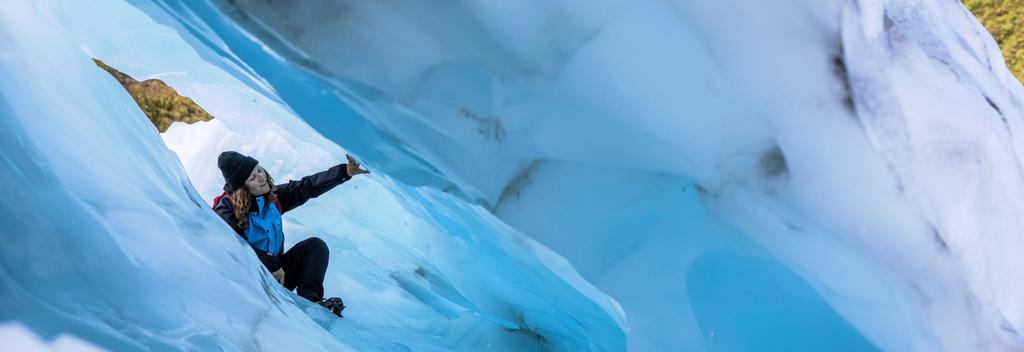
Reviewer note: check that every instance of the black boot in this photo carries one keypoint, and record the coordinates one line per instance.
(333, 304)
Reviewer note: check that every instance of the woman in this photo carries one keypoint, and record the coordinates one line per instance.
(253, 206)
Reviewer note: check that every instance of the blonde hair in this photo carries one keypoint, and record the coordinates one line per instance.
(240, 200)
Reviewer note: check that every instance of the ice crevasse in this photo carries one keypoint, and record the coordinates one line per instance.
(111, 241)
(795, 175)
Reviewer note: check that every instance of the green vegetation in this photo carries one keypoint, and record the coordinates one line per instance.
(159, 101)
(1005, 20)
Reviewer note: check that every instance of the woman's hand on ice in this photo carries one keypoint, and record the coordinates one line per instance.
(353, 167)
(279, 276)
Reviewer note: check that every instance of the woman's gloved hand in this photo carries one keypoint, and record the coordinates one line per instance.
(353, 168)
(279, 276)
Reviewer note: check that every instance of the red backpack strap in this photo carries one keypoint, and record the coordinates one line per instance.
(277, 203)
(217, 200)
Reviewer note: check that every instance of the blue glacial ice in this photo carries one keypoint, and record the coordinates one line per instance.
(111, 238)
(547, 175)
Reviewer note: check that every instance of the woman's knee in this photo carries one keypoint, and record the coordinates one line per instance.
(316, 244)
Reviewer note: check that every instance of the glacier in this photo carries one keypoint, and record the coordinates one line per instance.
(730, 175)
(111, 237)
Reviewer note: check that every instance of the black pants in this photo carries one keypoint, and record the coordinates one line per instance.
(304, 267)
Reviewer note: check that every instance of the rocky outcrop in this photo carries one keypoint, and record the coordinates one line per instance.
(161, 103)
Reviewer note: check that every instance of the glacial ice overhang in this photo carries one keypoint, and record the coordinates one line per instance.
(794, 175)
(869, 147)
(109, 240)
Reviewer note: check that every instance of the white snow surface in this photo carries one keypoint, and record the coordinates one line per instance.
(795, 175)
(18, 338)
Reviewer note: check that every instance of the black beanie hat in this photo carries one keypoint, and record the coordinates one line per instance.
(235, 167)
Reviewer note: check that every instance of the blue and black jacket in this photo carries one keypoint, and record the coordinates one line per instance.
(264, 233)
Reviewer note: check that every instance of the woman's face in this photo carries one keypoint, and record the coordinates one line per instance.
(257, 182)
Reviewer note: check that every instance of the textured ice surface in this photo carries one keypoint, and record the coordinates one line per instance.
(702, 162)
(109, 236)
(792, 175)
(105, 239)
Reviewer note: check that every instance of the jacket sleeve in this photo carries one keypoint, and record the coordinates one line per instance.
(295, 193)
(227, 212)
